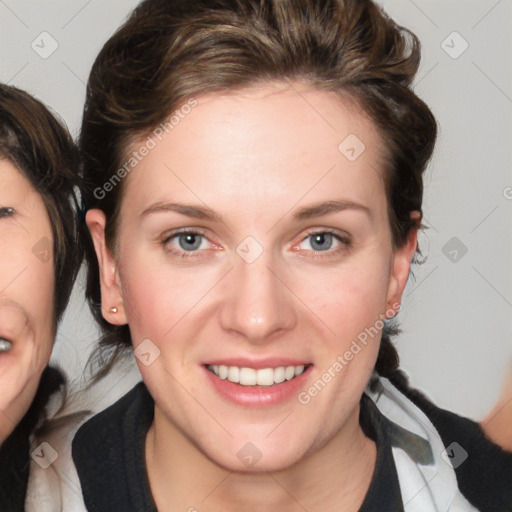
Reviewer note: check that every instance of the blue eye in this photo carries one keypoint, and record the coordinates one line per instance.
(323, 242)
(189, 242)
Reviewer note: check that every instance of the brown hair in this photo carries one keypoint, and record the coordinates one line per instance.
(169, 51)
(41, 148)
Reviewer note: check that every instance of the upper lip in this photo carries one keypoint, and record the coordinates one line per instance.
(243, 362)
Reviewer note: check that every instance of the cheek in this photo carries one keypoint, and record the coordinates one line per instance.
(349, 303)
(349, 297)
(41, 282)
(28, 279)
(157, 295)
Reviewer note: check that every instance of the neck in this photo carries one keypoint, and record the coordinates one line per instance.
(183, 478)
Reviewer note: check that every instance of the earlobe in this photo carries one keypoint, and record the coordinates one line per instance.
(111, 292)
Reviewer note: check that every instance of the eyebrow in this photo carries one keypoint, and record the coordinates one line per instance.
(304, 213)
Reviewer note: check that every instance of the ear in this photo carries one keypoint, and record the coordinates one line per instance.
(400, 268)
(111, 291)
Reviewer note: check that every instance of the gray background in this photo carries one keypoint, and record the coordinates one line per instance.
(457, 315)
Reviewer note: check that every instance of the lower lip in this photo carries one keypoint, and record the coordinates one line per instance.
(258, 395)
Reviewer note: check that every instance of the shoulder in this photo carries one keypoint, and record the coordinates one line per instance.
(104, 432)
(108, 453)
(104, 422)
(483, 470)
(485, 474)
(15, 451)
(53, 483)
(14, 464)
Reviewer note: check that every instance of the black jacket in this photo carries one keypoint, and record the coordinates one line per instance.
(108, 452)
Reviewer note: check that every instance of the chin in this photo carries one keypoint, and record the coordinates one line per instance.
(246, 456)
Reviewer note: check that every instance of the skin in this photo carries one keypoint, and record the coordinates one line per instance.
(26, 294)
(255, 157)
(498, 423)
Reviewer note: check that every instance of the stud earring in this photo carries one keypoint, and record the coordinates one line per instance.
(113, 310)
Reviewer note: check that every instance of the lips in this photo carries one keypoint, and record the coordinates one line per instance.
(258, 382)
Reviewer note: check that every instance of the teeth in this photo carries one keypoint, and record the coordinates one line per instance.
(248, 376)
(299, 370)
(223, 371)
(234, 374)
(265, 377)
(279, 375)
(251, 377)
(289, 373)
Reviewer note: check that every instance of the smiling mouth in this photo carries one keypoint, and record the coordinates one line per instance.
(262, 377)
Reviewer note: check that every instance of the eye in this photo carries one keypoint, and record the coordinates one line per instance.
(185, 243)
(188, 243)
(324, 241)
(6, 211)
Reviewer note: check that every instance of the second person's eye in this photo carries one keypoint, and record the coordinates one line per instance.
(6, 211)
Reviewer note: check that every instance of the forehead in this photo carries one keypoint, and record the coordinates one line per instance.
(17, 191)
(262, 144)
(13, 182)
(9, 172)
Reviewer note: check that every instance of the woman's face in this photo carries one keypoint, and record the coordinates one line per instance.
(26, 294)
(290, 265)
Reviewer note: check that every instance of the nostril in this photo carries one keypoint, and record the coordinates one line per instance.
(5, 345)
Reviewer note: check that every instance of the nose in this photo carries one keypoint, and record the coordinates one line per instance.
(258, 302)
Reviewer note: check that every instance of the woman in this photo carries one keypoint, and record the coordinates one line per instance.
(255, 193)
(40, 254)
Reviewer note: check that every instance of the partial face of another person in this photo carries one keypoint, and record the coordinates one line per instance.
(253, 248)
(26, 294)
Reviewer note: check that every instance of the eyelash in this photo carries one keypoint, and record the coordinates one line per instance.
(344, 240)
(6, 211)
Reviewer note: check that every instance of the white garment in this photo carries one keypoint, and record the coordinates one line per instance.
(424, 487)
(57, 488)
